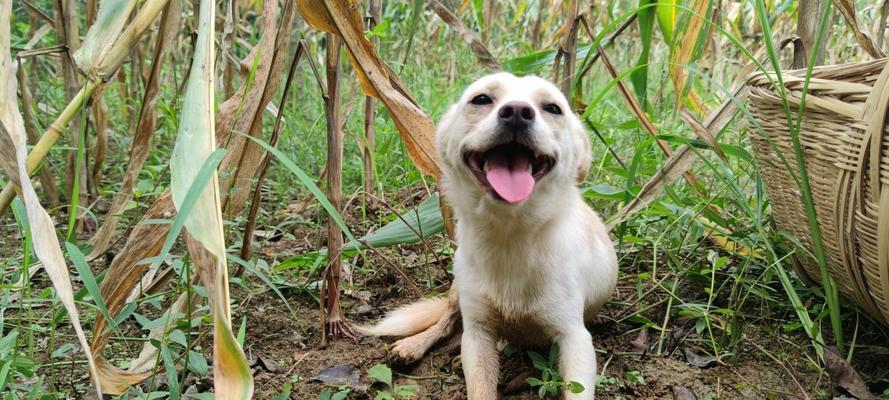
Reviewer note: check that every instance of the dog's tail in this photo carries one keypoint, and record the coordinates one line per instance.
(408, 320)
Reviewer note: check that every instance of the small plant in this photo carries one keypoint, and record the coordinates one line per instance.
(634, 378)
(341, 393)
(383, 374)
(550, 383)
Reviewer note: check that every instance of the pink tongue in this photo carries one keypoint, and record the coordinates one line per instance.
(512, 182)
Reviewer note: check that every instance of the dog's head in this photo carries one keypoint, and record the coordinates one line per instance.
(510, 140)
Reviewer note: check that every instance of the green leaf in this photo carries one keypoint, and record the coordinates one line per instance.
(89, 280)
(425, 220)
(575, 387)
(406, 391)
(197, 363)
(534, 382)
(536, 357)
(639, 77)
(172, 376)
(666, 19)
(381, 373)
(309, 183)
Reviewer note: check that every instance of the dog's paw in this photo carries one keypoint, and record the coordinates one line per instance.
(409, 350)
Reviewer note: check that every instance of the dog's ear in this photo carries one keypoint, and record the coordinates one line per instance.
(584, 155)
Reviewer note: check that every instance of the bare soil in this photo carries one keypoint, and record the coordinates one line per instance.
(284, 347)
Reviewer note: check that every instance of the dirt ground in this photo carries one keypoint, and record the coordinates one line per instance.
(285, 348)
(289, 347)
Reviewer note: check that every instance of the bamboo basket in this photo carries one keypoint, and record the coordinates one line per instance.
(846, 148)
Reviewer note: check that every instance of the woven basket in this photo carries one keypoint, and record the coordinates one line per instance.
(846, 147)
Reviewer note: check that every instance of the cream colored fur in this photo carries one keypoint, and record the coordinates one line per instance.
(531, 273)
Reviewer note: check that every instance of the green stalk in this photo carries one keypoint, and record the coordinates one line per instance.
(75, 186)
(830, 287)
(830, 290)
(49, 138)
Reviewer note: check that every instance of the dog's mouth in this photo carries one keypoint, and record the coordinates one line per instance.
(509, 171)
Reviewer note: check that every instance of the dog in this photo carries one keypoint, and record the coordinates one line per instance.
(533, 261)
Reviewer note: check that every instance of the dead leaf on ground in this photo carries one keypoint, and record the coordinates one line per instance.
(642, 343)
(339, 375)
(518, 384)
(683, 393)
(843, 375)
(698, 360)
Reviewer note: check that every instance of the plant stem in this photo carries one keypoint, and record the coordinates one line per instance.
(49, 138)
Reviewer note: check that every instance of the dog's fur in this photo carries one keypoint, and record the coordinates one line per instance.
(531, 272)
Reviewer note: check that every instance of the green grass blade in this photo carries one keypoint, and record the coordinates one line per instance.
(89, 281)
(309, 183)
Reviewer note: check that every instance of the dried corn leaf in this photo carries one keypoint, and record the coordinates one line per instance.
(124, 42)
(144, 241)
(109, 23)
(46, 243)
(475, 44)
(702, 132)
(847, 8)
(195, 143)
(101, 241)
(414, 125)
(317, 16)
(241, 173)
(690, 42)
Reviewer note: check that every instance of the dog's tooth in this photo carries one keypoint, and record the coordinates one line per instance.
(486, 166)
(530, 168)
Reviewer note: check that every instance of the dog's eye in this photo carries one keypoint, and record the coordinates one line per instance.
(552, 109)
(481, 100)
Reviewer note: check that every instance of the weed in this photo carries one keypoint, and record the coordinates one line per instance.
(383, 374)
(550, 384)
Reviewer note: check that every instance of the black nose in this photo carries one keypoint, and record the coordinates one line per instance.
(516, 115)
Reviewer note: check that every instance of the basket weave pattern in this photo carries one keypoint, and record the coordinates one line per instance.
(846, 148)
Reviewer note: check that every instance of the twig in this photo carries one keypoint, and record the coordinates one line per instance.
(784, 366)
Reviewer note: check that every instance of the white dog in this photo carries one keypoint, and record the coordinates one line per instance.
(533, 261)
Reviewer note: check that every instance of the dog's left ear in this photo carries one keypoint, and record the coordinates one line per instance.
(584, 155)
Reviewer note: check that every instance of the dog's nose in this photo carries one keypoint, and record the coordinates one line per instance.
(516, 115)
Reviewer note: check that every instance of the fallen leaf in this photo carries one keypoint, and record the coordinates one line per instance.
(698, 360)
(267, 364)
(339, 375)
(843, 375)
(642, 342)
(683, 393)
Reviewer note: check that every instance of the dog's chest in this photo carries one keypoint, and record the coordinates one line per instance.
(521, 330)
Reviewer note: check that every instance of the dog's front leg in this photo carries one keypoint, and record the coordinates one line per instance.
(577, 361)
(481, 365)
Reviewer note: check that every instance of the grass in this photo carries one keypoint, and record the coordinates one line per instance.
(673, 263)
